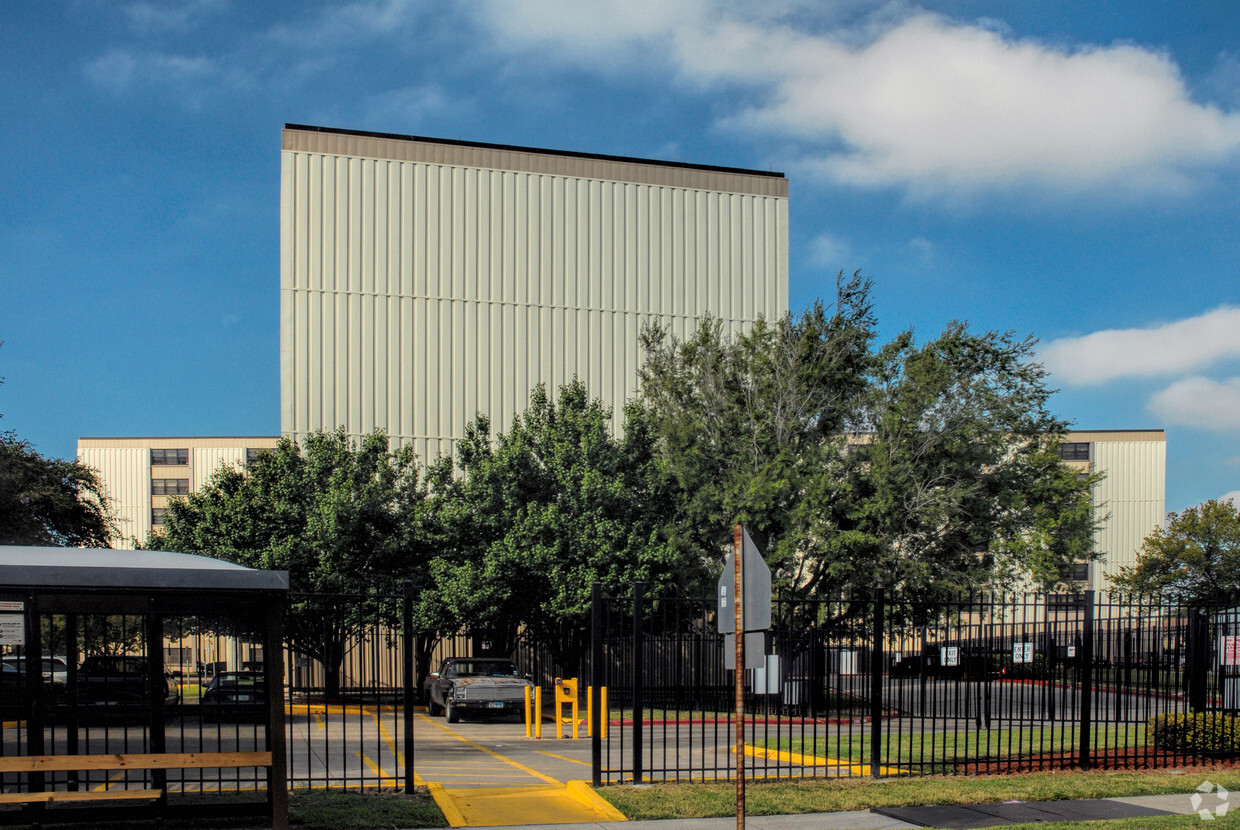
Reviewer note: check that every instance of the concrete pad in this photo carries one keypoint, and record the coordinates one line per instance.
(1178, 803)
(500, 806)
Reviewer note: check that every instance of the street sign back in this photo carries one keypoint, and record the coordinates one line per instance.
(757, 593)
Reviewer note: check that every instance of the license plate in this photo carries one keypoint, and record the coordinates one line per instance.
(496, 704)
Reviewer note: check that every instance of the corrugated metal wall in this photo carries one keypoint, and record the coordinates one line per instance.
(204, 461)
(414, 295)
(126, 474)
(1133, 495)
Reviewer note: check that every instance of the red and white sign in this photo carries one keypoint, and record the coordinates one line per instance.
(1229, 651)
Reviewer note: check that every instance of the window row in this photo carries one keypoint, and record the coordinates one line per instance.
(1074, 451)
(169, 486)
(162, 457)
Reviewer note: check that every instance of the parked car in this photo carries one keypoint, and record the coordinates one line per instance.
(477, 686)
(235, 695)
(113, 679)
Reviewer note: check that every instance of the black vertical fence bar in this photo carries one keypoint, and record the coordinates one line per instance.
(408, 681)
(638, 678)
(1084, 742)
(876, 684)
(598, 679)
(1199, 660)
(155, 686)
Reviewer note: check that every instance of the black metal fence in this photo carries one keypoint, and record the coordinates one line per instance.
(876, 687)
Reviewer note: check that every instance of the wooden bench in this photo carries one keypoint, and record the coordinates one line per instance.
(126, 761)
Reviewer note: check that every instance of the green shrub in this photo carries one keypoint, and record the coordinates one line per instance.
(1203, 733)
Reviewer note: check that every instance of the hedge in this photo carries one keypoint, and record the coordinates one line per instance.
(1203, 733)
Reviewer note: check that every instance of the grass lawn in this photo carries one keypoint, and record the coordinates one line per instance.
(702, 800)
(943, 750)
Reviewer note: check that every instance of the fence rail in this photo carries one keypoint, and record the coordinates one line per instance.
(884, 688)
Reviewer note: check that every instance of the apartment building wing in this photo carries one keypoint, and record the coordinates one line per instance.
(142, 474)
(423, 281)
(1131, 498)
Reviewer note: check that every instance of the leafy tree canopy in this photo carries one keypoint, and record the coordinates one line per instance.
(546, 509)
(340, 516)
(1194, 560)
(929, 469)
(49, 501)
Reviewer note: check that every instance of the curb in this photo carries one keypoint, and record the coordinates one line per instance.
(584, 793)
(446, 805)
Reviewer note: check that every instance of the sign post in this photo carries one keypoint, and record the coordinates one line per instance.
(745, 613)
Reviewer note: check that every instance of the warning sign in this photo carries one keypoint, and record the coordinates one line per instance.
(1229, 651)
(12, 630)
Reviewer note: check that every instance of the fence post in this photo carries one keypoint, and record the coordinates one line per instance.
(597, 680)
(876, 683)
(639, 715)
(409, 680)
(1087, 685)
(1198, 659)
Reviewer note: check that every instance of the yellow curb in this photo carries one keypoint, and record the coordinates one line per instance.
(584, 793)
(797, 759)
(446, 805)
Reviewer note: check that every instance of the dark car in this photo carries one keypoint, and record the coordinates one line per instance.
(476, 685)
(115, 679)
(235, 695)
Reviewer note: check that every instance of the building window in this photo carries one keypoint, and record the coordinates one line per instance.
(169, 457)
(1074, 451)
(251, 455)
(1080, 572)
(169, 486)
(158, 514)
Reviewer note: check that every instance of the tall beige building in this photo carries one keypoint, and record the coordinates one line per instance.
(423, 281)
(141, 474)
(1131, 498)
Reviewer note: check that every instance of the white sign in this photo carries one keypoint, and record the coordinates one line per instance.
(1229, 650)
(12, 605)
(12, 630)
(1022, 652)
(1071, 651)
(949, 655)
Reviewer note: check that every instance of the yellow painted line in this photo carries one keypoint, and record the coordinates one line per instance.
(446, 805)
(495, 754)
(374, 767)
(319, 720)
(584, 793)
(387, 736)
(797, 759)
(563, 757)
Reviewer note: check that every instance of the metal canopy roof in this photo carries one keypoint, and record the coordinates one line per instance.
(119, 570)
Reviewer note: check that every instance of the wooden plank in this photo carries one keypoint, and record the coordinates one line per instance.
(183, 760)
(81, 795)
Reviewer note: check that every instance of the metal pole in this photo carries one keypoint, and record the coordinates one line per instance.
(876, 684)
(738, 609)
(597, 680)
(639, 715)
(409, 681)
(1087, 684)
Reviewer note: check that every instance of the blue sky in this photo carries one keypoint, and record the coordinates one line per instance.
(1062, 169)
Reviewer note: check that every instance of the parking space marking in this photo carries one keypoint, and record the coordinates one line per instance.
(493, 753)
(563, 757)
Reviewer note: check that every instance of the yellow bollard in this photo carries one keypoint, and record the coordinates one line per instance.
(589, 711)
(538, 711)
(529, 727)
(601, 723)
(603, 716)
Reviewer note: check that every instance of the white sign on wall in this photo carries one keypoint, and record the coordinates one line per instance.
(1022, 652)
(949, 655)
(12, 630)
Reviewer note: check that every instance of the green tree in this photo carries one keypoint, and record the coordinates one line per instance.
(48, 501)
(545, 510)
(1194, 560)
(929, 469)
(342, 517)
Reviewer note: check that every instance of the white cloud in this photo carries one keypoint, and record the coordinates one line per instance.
(934, 105)
(1182, 346)
(1200, 402)
(1233, 497)
(828, 251)
(170, 15)
(122, 70)
(409, 107)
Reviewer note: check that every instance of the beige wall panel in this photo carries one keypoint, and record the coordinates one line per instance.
(1133, 496)
(415, 294)
(125, 472)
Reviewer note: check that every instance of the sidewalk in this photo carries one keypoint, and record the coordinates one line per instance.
(944, 816)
